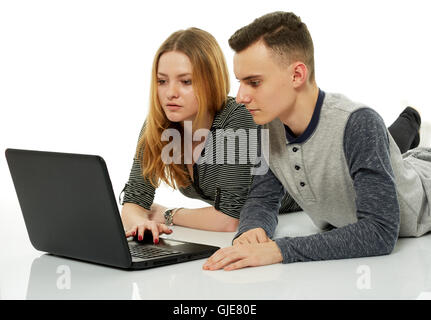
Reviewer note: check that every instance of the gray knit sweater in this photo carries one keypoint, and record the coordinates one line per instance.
(349, 176)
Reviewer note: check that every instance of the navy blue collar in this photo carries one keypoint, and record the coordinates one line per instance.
(290, 136)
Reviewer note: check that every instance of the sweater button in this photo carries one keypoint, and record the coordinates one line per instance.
(297, 167)
(294, 149)
(302, 184)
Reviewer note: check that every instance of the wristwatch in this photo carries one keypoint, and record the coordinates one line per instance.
(169, 216)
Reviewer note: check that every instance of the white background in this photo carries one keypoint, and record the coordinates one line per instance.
(74, 75)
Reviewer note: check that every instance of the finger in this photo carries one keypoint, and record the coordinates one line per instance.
(131, 232)
(242, 240)
(217, 256)
(223, 263)
(128, 234)
(163, 228)
(210, 260)
(141, 230)
(239, 240)
(155, 231)
(221, 258)
(239, 264)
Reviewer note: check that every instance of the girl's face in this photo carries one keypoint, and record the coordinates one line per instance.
(175, 89)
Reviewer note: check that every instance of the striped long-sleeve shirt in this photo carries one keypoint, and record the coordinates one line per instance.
(221, 184)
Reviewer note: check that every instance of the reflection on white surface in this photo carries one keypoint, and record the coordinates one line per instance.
(404, 274)
(136, 294)
(424, 296)
(53, 277)
(247, 275)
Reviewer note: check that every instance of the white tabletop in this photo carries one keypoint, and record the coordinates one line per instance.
(29, 274)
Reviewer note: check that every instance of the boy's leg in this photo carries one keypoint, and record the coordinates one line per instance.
(405, 130)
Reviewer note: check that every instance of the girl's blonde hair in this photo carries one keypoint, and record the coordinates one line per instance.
(210, 80)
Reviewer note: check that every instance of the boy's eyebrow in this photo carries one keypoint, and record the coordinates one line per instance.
(250, 77)
(180, 75)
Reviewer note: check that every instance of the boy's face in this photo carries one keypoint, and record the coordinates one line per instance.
(266, 87)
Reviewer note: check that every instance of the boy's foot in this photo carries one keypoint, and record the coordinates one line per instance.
(417, 117)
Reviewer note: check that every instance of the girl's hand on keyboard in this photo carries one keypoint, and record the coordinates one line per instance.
(155, 228)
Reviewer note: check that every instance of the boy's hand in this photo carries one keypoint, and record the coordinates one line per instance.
(257, 235)
(244, 255)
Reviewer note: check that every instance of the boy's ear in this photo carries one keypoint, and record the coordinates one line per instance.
(299, 74)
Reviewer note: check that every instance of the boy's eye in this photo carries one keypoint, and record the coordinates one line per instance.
(254, 83)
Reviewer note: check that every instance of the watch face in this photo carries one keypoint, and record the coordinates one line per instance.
(168, 216)
(167, 213)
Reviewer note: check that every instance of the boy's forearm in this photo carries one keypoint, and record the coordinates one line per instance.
(364, 238)
(262, 205)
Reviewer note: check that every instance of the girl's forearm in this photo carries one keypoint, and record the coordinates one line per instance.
(207, 218)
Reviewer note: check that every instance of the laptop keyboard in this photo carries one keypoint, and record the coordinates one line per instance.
(145, 252)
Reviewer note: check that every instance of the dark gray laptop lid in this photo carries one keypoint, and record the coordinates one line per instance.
(69, 206)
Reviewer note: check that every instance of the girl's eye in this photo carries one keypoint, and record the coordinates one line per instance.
(161, 81)
(187, 82)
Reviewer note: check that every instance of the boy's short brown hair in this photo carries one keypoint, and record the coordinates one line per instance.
(284, 33)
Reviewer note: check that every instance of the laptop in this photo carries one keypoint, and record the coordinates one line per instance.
(69, 210)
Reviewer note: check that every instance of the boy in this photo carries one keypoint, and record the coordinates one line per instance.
(335, 157)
